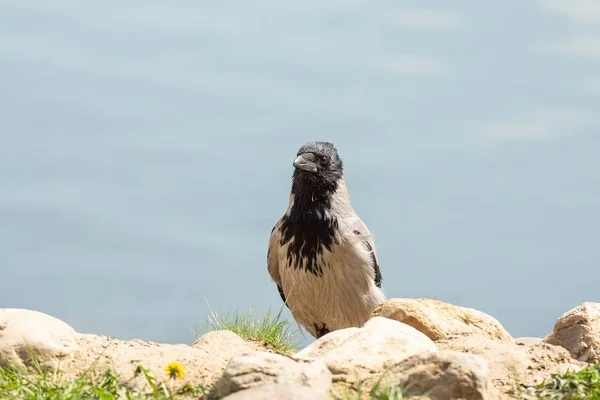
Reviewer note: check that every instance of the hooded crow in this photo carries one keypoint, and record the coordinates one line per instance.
(321, 255)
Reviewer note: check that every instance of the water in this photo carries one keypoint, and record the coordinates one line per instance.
(145, 154)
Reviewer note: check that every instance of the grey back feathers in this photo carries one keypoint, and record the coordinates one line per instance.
(321, 255)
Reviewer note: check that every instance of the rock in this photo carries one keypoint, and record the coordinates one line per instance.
(512, 365)
(279, 391)
(262, 368)
(355, 354)
(204, 363)
(578, 331)
(442, 375)
(224, 343)
(472, 357)
(439, 320)
(23, 332)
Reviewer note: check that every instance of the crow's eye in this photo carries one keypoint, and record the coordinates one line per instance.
(324, 160)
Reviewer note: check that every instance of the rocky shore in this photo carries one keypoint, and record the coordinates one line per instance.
(432, 349)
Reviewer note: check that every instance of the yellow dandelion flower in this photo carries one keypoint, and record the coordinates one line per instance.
(175, 370)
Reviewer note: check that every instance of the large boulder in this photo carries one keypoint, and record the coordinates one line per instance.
(29, 339)
(578, 331)
(204, 362)
(355, 355)
(513, 366)
(441, 375)
(370, 348)
(262, 368)
(439, 320)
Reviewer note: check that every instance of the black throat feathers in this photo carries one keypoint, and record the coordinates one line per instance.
(310, 227)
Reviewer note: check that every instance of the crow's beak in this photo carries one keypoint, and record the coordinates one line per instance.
(306, 162)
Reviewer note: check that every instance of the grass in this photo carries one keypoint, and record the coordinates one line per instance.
(16, 385)
(387, 393)
(272, 330)
(573, 385)
(393, 392)
(379, 391)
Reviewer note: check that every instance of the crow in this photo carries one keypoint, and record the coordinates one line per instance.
(321, 255)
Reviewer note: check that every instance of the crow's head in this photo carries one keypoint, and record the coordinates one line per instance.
(317, 168)
(319, 158)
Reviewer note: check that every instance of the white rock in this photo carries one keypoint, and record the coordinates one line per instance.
(23, 332)
(225, 344)
(443, 375)
(439, 320)
(261, 368)
(204, 362)
(578, 331)
(352, 353)
(526, 362)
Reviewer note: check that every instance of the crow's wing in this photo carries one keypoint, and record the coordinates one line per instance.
(360, 229)
(273, 258)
